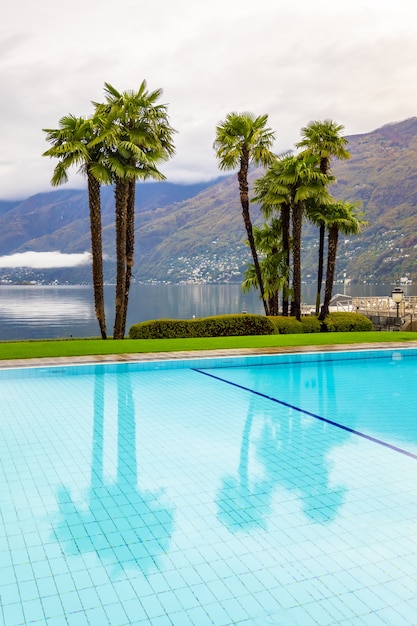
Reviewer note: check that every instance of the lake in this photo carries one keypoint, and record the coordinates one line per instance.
(42, 312)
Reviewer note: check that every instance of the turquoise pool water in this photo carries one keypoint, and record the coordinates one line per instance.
(252, 491)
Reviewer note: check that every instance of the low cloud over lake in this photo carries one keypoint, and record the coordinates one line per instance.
(43, 260)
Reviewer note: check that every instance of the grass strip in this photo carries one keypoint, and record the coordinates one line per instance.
(95, 346)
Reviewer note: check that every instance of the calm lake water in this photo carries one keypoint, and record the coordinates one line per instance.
(34, 312)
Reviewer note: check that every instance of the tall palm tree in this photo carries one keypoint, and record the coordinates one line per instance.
(274, 266)
(293, 180)
(341, 217)
(78, 142)
(271, 200)
(142, 138)
(323, 139)
(242, 139)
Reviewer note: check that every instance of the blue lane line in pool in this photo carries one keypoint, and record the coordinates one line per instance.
(318, 417)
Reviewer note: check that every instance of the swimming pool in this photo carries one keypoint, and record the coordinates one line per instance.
(251, 491)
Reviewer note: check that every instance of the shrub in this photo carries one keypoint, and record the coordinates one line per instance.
(311, 324)
(229, 325)
(216, 326)
(245, 324)
(286, 325)
(160, 329)
(346, 322)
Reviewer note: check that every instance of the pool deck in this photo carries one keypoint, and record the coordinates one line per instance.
(198, 354)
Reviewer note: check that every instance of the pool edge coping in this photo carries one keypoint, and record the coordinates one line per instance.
(148, 357)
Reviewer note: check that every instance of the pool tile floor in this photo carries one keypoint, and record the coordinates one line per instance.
(153, 498)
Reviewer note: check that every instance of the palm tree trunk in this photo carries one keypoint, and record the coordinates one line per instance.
(324, 168)
(333, 237)
(244, 200)
(273, 304)
(273, 299)
(320, 266)
(297, 217)
(121, 193)
(130, 246)
(285, 222)
(97, 250)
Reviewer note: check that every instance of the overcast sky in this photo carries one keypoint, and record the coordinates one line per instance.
(354, 61)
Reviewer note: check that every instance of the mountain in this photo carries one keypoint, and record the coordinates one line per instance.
(196, 233)
(57, 219)
(7, 205)
(382, 175)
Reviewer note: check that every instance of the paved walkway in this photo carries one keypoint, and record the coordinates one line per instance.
(198, 354)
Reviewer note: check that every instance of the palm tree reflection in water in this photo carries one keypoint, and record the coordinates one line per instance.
(286, 455)
(124, 526)
(242, 505)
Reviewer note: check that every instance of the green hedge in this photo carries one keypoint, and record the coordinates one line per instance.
(216, 326)
(245, 324)
(346, 322)
(286, 325)
(161, 329)
(291, 326)
(311, 324)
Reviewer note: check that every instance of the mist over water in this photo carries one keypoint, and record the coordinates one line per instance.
(49, 312)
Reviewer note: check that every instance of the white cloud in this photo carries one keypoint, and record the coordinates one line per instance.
(43, 260)
(351, 60)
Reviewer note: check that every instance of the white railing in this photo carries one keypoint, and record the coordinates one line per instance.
(371, 305)
(383, 305)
